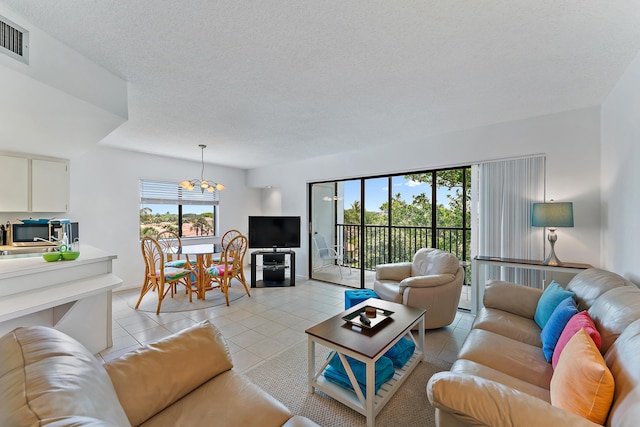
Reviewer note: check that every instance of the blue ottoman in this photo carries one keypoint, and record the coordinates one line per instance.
(354, 297)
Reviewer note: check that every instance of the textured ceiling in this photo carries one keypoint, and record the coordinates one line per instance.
(280, 80)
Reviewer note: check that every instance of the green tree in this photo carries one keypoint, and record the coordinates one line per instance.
(145, 215)
(148, 232)
(201, 225)
(352, 215)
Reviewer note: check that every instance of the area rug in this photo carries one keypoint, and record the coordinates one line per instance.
(180, 301)
(285, 378)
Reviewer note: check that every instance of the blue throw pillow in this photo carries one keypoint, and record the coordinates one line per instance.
(555, 325)
(551, 297)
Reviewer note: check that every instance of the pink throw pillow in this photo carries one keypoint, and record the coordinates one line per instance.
(577, 322)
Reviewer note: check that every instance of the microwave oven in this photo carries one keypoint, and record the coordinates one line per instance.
(38, 234)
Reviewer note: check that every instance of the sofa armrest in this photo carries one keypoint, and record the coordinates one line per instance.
(479, 401)
(153, 377)
(512, 298)
(395, 271)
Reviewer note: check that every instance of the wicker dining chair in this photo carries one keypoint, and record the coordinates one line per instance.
(159, 277)
(171, 243)
(227, 237)
(230, 266)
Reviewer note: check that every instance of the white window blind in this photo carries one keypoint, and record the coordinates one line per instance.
(162, 193)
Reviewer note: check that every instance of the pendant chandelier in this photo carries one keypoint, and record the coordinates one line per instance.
(202, 183)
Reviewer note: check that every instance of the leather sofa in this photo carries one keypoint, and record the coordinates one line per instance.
(501, 377)
(433, 281)
(49, 379)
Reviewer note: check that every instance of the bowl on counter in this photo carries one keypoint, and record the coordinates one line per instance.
(70, 255)
(52, 256)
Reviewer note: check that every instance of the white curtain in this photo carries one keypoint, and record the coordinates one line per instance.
(506, 191)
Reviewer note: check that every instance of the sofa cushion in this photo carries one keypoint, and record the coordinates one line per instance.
(229, 399)
(514, 358)
(582, 382)
(509, 325)
(155, 376)
(555, 325)
(589, 284)
(427, 261)
(579, 321)
(48, 378)
(469, 367)
(507, 296)
(549, 300)
(613, 311)
(623, 359)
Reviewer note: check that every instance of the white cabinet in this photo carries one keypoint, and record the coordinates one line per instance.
(33, 185)
(14, 184)
(49, 186)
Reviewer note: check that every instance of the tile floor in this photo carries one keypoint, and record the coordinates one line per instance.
(260, 327)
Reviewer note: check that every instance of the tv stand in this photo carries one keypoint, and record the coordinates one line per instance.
(273, 269)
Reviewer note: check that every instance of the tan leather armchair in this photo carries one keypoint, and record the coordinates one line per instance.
(433, 281)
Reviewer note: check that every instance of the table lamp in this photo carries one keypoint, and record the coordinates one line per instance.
(552, 215)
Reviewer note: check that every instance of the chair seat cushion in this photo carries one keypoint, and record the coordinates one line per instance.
(388, 290)
(172, 273)
(178, 263)
(219, 270)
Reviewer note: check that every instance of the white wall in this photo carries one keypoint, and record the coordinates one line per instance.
(621, 175)
(105, 201)
(570, 140)
(61, 103)
(57, 65)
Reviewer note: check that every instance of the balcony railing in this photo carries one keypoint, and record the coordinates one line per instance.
(383, 244)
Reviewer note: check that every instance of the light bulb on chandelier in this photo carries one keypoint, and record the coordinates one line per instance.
(189, 185)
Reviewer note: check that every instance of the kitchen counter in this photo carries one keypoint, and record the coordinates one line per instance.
(72, 296)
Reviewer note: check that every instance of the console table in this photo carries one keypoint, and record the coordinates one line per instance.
(274, 266)
(479, 261)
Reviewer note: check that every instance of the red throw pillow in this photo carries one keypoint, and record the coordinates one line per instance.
(577, 322)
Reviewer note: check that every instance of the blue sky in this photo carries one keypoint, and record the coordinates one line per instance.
(377, 188)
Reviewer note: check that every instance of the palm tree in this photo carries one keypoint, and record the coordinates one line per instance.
(145, 215)
(201, 225)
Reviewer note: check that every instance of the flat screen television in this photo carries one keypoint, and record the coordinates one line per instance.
(274, 232)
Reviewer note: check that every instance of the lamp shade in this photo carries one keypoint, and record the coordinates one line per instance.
(552, 215)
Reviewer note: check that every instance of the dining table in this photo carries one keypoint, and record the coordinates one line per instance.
(200, 251)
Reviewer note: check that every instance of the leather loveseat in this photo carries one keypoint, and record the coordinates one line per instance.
(501, 377)
(49, 379)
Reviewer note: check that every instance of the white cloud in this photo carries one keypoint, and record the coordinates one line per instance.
(414, 183)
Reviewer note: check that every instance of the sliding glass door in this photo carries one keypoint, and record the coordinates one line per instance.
(335, 251)
(378, 220)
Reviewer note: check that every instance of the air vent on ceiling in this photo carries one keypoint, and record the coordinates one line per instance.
(14, 40)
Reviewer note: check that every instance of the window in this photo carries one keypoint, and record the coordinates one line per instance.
(167, 206)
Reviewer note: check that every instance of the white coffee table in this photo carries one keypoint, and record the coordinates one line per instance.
(366, 346)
